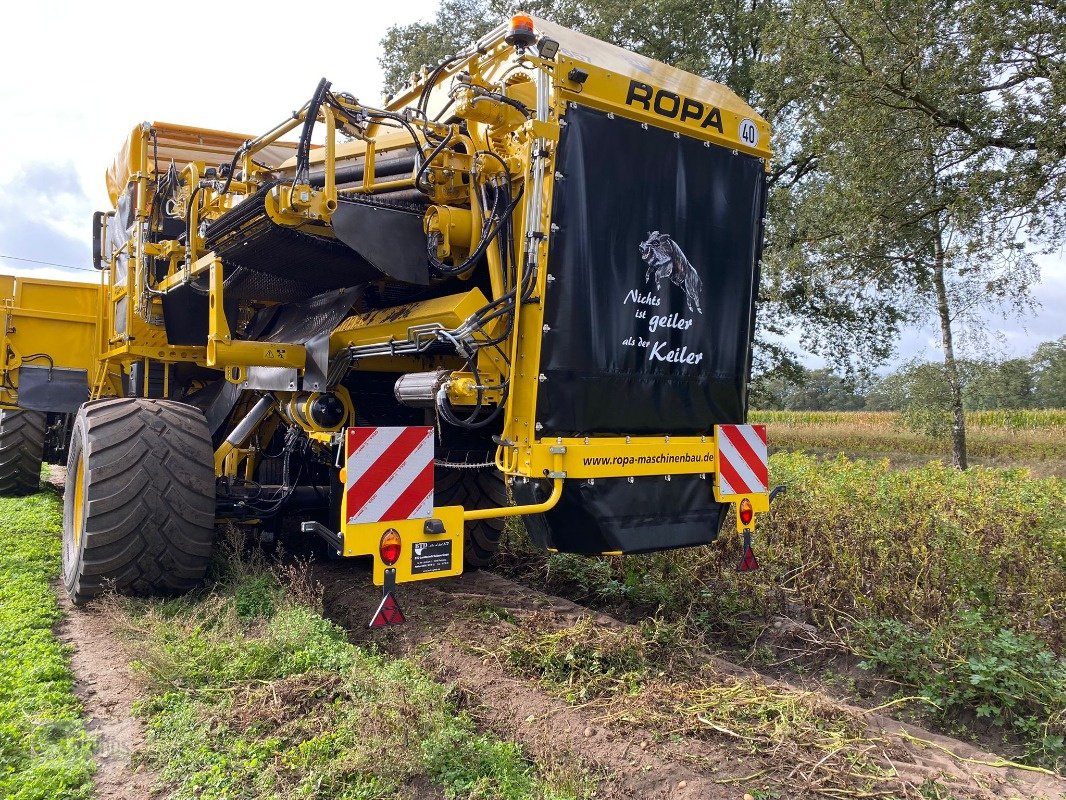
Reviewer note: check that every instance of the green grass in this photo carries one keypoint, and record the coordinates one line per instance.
(44, 750)
(251, 693)
(951, 557)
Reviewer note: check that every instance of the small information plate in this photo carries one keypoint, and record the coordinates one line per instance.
(431, 557)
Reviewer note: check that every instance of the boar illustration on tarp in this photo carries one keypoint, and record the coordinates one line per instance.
(666, 260)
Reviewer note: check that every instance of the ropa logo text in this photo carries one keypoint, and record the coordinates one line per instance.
(673, 106)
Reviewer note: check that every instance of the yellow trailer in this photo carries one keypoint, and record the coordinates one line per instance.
(50, 343)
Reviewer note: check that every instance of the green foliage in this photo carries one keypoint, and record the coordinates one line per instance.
(1014, 383)
(919, 391)
(920, 388)
(921, 544)
(970, 664)
(1049, 365)
(257, 596)
(999, 384)
(253, 694)
(926, 405)
(857, 541)
(45, 752)
(928, 131)
(472, 765)
(407, 48)
(809, 390)
(212, 644)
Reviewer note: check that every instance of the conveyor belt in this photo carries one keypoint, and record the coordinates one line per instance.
(267, 261)
(247, 237)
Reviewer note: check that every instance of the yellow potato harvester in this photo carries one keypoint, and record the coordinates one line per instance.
(523, 286)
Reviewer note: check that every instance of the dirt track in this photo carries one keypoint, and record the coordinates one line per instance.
(444, 635)
(447, 635)
(105, 686)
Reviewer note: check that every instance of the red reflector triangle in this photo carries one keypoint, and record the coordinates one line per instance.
(388, 613)
(748, 563)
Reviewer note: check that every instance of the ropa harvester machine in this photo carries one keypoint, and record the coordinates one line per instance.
(525, 286)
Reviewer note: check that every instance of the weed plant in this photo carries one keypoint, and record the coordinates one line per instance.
(970, 568)
(969, 665)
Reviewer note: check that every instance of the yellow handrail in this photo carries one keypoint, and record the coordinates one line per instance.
(517, 511)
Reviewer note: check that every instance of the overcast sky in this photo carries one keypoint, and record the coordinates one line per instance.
(75, 78)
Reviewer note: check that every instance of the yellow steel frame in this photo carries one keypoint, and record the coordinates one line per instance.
(363, 540)
(128, 319)
(616, 456)
(236, 355)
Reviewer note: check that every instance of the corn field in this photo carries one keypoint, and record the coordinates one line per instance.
(1014, 438)
(1004, 419)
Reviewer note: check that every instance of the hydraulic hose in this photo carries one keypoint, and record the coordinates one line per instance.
(303, 148)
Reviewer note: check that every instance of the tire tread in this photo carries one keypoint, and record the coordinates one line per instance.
(474, 488)
(22, 436)
(150, 490)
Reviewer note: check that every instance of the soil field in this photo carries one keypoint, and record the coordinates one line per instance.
(678, 724)
(270, 684)
(681, 724)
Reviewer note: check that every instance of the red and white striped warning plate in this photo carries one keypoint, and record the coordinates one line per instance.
(390, 474)
(742, 467)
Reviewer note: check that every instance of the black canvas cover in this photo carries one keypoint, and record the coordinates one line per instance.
(655, 272)
(611, 515)
(650, 310)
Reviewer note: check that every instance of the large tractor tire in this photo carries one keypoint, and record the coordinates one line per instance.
(139, 507)
(474, 488)
(21, 452)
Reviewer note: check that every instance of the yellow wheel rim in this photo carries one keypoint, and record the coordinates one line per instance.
(79, 501)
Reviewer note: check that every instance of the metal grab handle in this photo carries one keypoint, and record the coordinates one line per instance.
(331, 536)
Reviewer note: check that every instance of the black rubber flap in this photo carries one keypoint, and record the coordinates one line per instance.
(309, 323)
(185, 315)
(296, 323)
(217, 401)
(655, 267)
(52, 388)
(390, 239)
(613, 514)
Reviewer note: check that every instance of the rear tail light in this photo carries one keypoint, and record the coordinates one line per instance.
(390, 547)
(746, 512)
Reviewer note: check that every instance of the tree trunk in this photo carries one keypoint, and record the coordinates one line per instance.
(951, 368)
